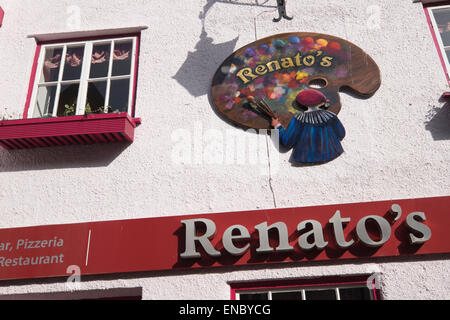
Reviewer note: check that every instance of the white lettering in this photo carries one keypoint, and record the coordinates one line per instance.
(311, 235)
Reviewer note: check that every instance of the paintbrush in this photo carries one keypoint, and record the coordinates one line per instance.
(262, 106)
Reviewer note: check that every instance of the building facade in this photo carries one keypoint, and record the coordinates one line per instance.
(155, 61)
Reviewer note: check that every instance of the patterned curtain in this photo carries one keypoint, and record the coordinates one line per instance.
(74, 57)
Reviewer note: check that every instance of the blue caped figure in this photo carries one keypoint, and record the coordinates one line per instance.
(316, 133)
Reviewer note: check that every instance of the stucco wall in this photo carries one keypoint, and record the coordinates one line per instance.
(396, 146)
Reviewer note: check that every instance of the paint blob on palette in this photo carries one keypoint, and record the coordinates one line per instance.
(279, 67)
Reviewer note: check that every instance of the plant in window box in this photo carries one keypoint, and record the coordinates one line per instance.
(69, 110)
(99, 110)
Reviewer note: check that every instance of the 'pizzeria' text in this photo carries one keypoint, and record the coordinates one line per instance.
(27, 244)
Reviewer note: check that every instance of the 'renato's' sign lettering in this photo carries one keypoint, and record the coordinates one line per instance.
(311, 234)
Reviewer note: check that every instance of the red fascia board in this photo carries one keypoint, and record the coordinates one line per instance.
(158, 242)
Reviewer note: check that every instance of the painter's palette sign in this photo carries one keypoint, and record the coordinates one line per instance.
(279, 67)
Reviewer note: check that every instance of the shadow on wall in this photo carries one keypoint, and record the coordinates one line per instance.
(85, 156)
(196, 73)
(439, 122)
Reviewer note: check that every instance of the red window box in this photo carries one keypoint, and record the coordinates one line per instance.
(50, 132)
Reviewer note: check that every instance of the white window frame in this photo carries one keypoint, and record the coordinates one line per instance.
(302, 290)
(85, 72)
(438, 36)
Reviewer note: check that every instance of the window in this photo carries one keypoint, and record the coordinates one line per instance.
(300, 290)
(80, 91)
(89, 77)
(439, 20)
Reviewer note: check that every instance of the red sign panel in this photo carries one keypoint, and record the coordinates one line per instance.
(158, 243)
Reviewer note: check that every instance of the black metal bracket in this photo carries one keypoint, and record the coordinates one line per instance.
(281, 4)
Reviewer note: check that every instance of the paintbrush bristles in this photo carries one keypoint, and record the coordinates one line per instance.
(263, 106)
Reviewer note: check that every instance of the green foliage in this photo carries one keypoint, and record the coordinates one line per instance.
(69, 110)
(99, 110)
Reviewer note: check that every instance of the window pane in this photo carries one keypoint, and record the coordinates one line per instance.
(95, 102)
(68, 100)
(321, 294)
(118, 98)
(52, 64)
(253, 296)
(100, 61)
(442, 17)
(45, 102)
(355, 293)
(74, 63)
(122, 58)
(293, 295)
(447, 53)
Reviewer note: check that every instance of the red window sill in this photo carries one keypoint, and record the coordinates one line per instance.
(445, 95)
(74, 130)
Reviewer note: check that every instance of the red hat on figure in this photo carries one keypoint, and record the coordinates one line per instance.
(311, 98)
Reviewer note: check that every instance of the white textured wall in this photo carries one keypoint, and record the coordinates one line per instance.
(391, 151)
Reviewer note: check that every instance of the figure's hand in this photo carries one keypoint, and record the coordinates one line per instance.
(275, 122)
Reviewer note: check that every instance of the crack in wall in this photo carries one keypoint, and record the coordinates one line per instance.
(267, 136)
(270, 173)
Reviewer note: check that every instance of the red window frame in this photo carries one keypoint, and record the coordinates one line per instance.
(2, 15)
(426, 8)
(39, 45)
(300, 284)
